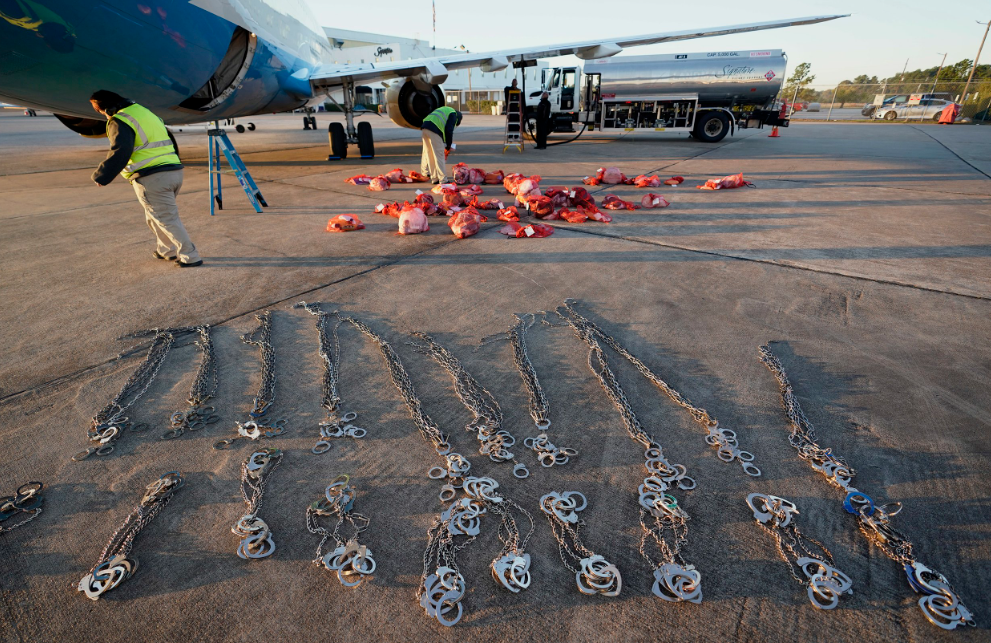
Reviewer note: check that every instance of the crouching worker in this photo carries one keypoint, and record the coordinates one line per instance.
(438, 135)
(145, 153)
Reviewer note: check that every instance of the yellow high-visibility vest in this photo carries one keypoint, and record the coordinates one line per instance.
(152, 146)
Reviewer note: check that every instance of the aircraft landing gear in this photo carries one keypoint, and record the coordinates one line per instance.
(309, 120)
(238, 127)
(342, 135)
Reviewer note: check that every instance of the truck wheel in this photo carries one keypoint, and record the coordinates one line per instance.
(338, 142)
(251, 127)
(239, 129)
(366, 144)
(712, 127)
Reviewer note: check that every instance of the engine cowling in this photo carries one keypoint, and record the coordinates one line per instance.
(408, 106)
(88, 127)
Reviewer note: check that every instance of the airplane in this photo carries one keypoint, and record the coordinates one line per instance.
(193, 61)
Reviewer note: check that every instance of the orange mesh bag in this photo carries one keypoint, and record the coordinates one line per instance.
(579, 196)
(674, 180)
(461, 174)
(510, 229)
(540, 206)
(653, 201)
(558, 196)
(494, 178)
(440, 189)
(471, 190)
(511, 181)
(611, 176)
(612, 202)
(416, 177)
(534, 231)
(595, 214)
(388, 209)
(465, 223)
(726, 183)
(397, 176)
(345, 223)
(572, 216)
(644, 181)
(476, 175)
(361, 179)
(508, 214)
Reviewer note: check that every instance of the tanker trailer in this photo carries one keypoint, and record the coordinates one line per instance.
(706, 94)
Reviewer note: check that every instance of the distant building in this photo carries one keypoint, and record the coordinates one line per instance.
(363, 47)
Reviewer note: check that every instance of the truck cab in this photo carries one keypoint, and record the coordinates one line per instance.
(563, 86)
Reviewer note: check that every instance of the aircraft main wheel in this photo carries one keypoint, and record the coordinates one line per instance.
(251, 127)
(313, 122)
(366, 144)
(711, 127)
(239, 129)
(306, 122)
(338, 142)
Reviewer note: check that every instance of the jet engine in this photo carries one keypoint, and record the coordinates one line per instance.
(408, 106)
(88, 127)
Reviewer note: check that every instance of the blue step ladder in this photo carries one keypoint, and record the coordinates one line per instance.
(220, 143)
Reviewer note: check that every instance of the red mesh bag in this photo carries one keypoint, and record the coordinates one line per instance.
(426, 203)
(511, 181)
(471, 190)
(452, 198)
(412, 220)
(611, 176)
(416, 177)
(674, 180)
(388, 209)
(580, 196)
(644, 181)
(726, 183)
(527, 186)
(461, 174)
(534, 230)
(476, 175)
(595, 214)
(465, 223)
(558, 196)
(397, 176)
(510, 229)
(440, 189)
(494, 178)
(540, 206)
(612, 202)
(361, 179)
(653, 201)
(423, 197)
(591, 180)
(491, 204)
(379, 184)
(508, 214)
(571, 216)
(345, 223)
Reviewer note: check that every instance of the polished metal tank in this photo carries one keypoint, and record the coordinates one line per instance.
(718, 77)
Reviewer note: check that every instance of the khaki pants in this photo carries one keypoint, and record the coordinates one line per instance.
(157, 193)
(432, 162)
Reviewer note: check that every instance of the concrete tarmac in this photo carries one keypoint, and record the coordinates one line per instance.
(862, 253)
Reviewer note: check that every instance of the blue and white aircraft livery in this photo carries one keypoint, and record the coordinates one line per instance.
(202, 60)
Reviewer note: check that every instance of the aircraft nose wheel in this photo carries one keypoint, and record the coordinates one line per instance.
(310, 122)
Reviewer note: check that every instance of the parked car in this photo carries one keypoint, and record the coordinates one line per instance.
(928, 108)
(813, 107)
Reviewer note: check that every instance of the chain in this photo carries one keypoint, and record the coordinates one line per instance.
(940, 603)
(456, 465)
(115, 565)
(487, 420)
(26, 500)
(203, 388)
(593, 573)
(825, 583)
(336, 425)
(258, 427)
(724, 440)
(109, 423)
(351, 560)
(255, 534)
(674, 579)
(442, 585)
(547, 453)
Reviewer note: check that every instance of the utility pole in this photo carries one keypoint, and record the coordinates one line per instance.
(922, 112)
(973, 67)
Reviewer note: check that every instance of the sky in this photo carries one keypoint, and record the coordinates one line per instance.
(875, 40)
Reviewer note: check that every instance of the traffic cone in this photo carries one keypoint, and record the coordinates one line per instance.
(774, 132)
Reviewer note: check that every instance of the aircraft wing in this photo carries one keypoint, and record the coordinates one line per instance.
(435, 69)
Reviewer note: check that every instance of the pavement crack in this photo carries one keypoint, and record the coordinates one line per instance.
(943, 145)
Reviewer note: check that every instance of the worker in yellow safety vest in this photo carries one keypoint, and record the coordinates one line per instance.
(143, 151)
(438, 134)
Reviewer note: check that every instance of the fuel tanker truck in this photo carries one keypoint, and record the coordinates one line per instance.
(706, 94)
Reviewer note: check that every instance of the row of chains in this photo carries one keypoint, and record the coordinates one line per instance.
(674, 579)
(939, 603)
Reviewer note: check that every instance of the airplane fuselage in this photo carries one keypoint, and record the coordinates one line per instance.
(162, 53)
